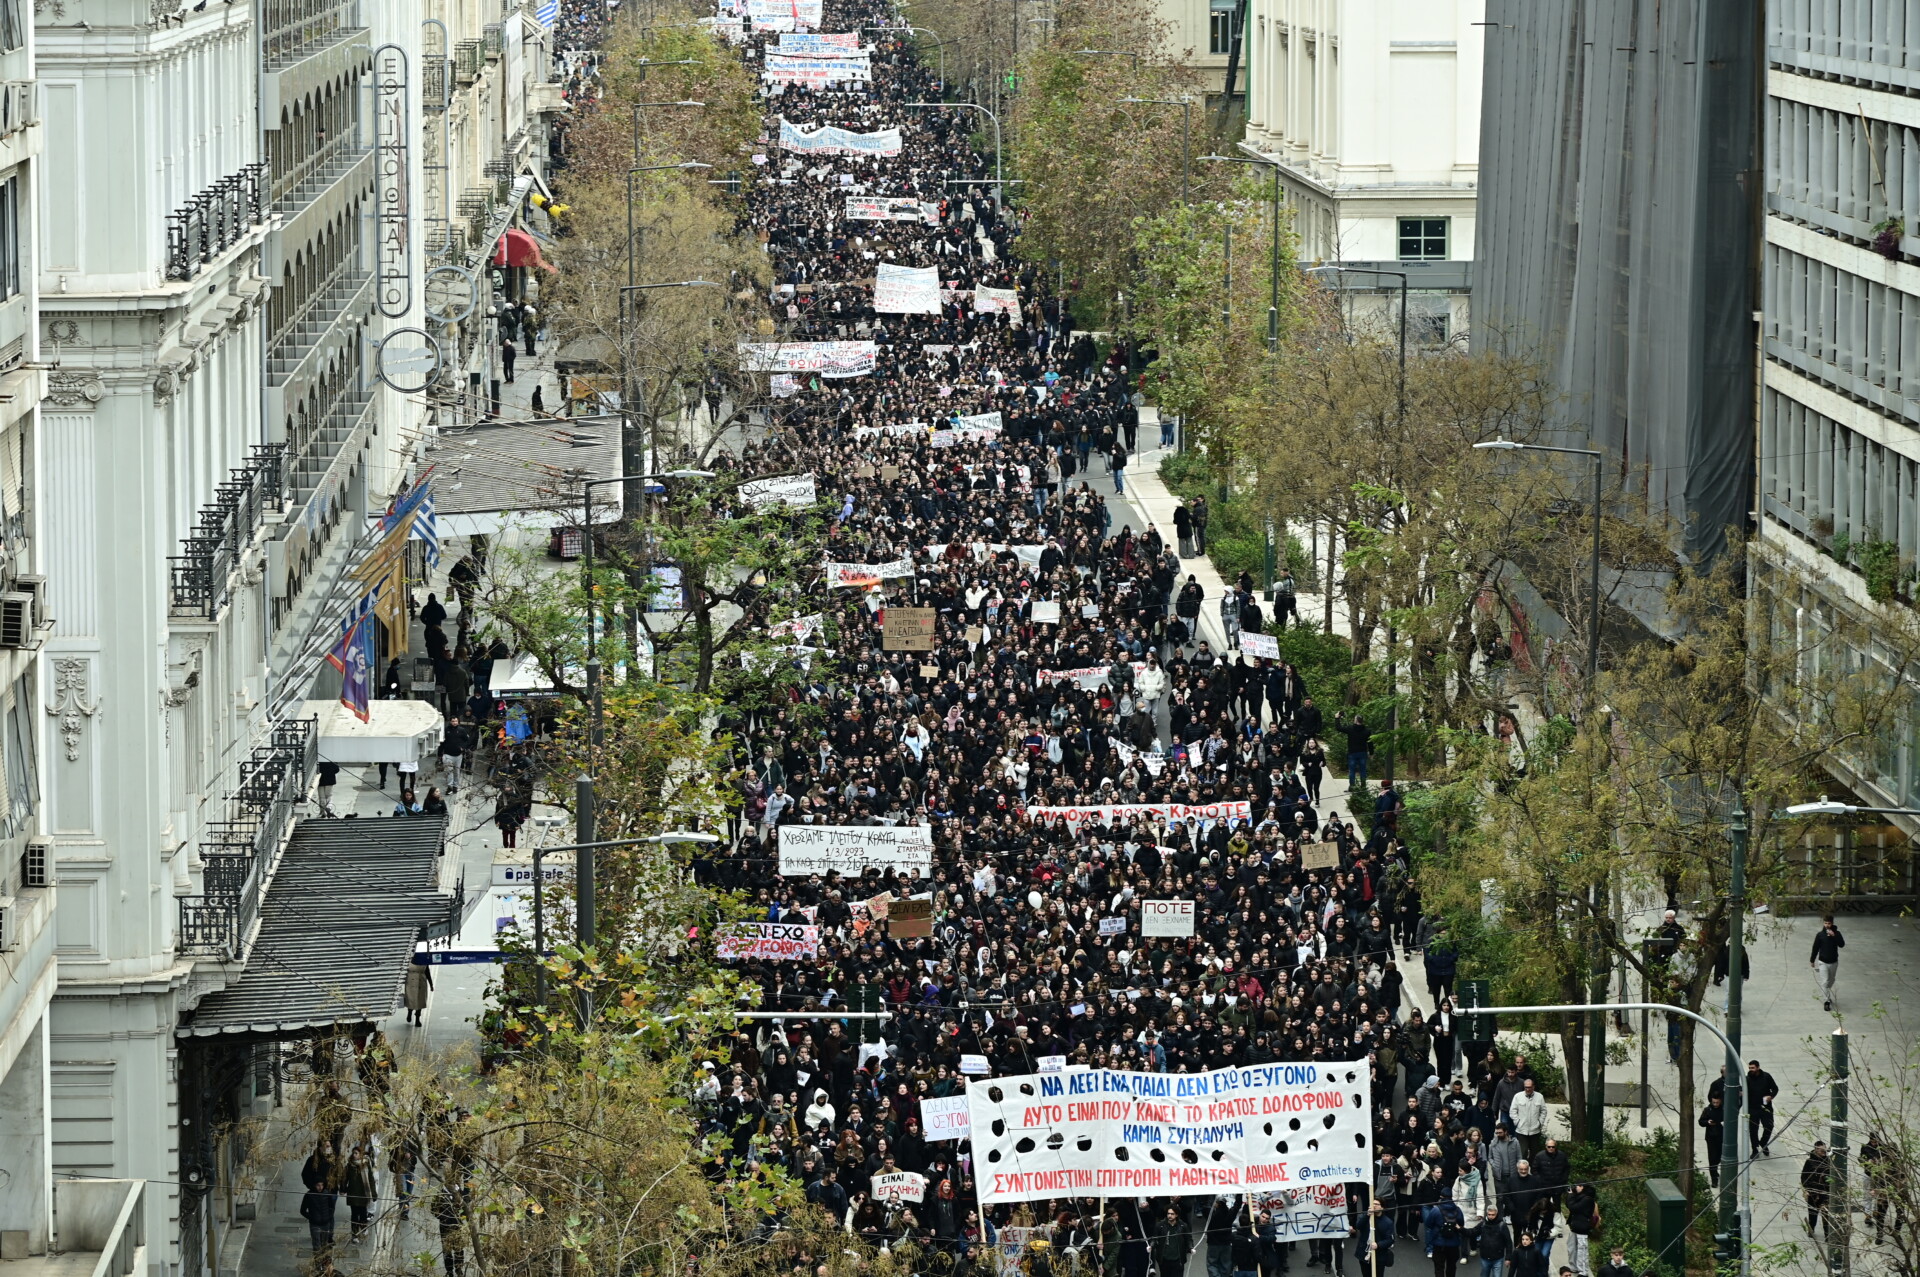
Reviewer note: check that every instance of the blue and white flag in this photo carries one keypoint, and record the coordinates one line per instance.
(418, 502)
(547, 13)
(353, 656)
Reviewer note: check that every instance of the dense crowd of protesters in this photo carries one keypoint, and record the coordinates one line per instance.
(1286, 963)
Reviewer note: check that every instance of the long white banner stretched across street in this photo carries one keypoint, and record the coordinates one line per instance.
(831, 139)
(1105, 812)
(817, 69)
(890, 208)
(1105, 1131)
(853, 849)
(828, 358)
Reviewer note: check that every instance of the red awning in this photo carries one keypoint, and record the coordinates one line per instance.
(518, 248)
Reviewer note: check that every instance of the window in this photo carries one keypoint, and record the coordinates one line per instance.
(1220, 31)
(9, 236)
(1423, 239)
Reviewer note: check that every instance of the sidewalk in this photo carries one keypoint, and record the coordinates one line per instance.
(1147, 494)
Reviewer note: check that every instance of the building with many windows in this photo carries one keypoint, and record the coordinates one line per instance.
(1372, 113)
(1838, 445)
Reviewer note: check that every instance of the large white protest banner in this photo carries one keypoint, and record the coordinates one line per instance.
(1312, 1210)
(816, 70)
(1104, 813)
(784, 15)
(1105, 1131)
(978, 421)
(906, 290)
(890, 208)
(853, 849)
(1260, 645)
(799, 628)
(771, 940)
(862, 574)
(986, 301)
(804, 43)
(1088, 677)
(832, 140)
(788, 489)
(946, 1118)
(1166, 917)
(828, 358)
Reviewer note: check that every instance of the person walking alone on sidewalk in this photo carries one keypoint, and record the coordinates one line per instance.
(1825, 958)
(1200, 525)
(1118, 459)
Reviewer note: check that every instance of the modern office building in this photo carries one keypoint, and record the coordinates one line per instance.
(1838, 475)
(1372, 113)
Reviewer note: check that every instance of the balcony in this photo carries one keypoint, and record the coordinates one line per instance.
(467, 59)
(238, 852)
(203, 573)
(213, 221)
(100, 1231)
(301, 184)
(346, 293)
(295, 29)
(493, 40)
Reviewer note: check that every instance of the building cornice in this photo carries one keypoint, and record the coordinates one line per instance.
(1373, 190)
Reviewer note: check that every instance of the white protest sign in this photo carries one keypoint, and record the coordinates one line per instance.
(1087, 677)
(860, 574)
(890, 208)
(790, 490)
(784, 15)
(979, 421)
(783, 385)
(1260, 645)
(900, 1186)
(975, 1065)
(1046, 611)
(1113, 926)
(988, 300)
(1105, 813)
(799, 629)
(1053, 1063)
(1105, 1131)
(906, 290)
(1314, 1210)
(945, 1118)
(828, 358)
(771, 940)
(852, 849)
(1166, 917)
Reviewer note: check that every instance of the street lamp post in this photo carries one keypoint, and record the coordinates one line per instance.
(999, 173)
(1596, 1024)
(1736, 1189)
(583, 812)
(1273, 290)
(630, 438)
(1186, 138)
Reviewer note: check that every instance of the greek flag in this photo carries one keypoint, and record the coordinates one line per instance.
(418, 502)
(548, 12)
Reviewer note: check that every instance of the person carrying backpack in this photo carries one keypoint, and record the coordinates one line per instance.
(1445, 1227)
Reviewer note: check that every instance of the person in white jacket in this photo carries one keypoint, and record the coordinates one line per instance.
(1529, 1112)
(1150, 685)
(1473, 1189)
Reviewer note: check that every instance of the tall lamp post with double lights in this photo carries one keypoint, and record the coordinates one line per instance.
(583, 791)
(1596, 1021)
(999, 172)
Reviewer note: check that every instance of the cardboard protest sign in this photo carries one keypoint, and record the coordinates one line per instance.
(1045, 612)
(900, 1186)
(975, 1065)
(908, 629)
(1320, 855)
(911, 918)
(772, 940)
(945, 1118)
(929, 671)
(853, 849)
(1252, 1129)
(1166, 917)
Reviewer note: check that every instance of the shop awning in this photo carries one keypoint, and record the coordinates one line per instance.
(395, 731)
(336, 932)
(519, 248)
